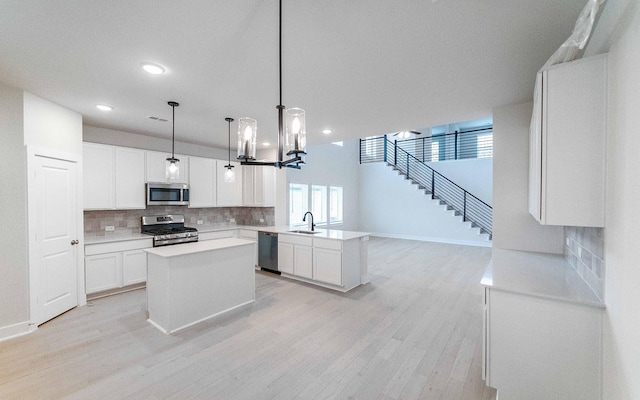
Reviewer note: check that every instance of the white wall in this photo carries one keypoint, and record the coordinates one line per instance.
(622, 253)
(329, 165)
(392, 207)
(513, 227)
(473, 175)
(48, 125)
(14, 283)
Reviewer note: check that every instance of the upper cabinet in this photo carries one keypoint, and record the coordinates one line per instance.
(113, 177)
(202, 182)
(258, 186)
(567, 144)
(157, 167)
(228, 194)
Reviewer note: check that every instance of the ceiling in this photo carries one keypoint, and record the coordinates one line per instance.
(358, 67)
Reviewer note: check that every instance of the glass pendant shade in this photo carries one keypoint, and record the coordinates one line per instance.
(247, 134)
(295, 131)
(229, 175)
(173, 169)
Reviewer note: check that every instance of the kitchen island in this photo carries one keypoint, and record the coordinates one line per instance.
(193, 282)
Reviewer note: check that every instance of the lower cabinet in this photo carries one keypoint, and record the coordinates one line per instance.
(303, 261)
(115, 265)
(295, 255)
(539, 348)
(336, 264)
(327, 266)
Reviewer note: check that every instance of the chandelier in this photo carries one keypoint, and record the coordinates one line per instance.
(292, 135)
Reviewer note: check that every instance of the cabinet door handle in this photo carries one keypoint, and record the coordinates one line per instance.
(74, 242)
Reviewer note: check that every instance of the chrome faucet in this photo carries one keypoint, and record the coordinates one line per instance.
(305, 218)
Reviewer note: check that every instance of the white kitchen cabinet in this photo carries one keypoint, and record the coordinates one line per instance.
(332, 263)
(567, 144)
(540, 348)
(299, 260)
(202, 182)
(113, 177)
(157, 167)
(98, 176)
(134, 267)
(114, 265)
(327, 266)
(303, 261)
(285, 256)
(228, 194)
(258, 186)
(103, 272)
(129, 174)
(542, 328)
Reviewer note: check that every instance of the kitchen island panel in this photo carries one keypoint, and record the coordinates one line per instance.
(184, 288)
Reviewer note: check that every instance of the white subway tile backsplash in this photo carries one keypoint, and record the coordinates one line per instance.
(585, 252)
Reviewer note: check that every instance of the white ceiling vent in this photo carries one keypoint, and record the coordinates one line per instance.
(158, 119)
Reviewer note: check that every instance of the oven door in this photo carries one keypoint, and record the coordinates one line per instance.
(166, 194)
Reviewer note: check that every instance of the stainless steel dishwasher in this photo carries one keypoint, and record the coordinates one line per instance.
(268, 251)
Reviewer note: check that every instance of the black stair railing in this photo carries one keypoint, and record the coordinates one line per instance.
(471, 208)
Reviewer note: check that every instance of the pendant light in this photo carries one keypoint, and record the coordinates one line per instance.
(173, 170)
(229, 175)
(293, 137)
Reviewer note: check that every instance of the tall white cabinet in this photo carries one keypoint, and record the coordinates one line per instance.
(113, 177)
(567, 144)
(202, 182)
(157, 167)
(258, 186)
(229, 194)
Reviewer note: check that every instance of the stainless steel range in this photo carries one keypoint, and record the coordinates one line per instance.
(168, 229)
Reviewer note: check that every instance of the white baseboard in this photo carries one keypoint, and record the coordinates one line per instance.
(16, 330)
(435, 239)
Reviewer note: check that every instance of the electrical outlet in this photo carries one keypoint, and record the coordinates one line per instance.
(199, 222)
(579, 252)
(261, 219)
(232, 220)
(109, 228)
(567, 241)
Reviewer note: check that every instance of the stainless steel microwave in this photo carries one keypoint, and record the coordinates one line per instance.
(167, 194)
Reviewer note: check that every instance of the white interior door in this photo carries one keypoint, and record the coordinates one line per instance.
(55, 275)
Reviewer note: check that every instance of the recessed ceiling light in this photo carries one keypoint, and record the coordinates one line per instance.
(266, 144)
(326, 131)
(154, 69)
(104, 107)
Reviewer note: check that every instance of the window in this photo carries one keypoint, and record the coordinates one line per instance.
(335, 204)
(435, 151)
(326, 204)
(485, 145)
(298, 202)
(319, 204)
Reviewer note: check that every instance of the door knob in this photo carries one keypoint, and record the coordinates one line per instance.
(74, 242)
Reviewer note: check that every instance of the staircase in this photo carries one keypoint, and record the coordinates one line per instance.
(450, 195)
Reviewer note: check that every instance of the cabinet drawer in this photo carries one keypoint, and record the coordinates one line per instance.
(247, 234)
(112, 247)
(304, 241)
(327, 244)
(216, 235)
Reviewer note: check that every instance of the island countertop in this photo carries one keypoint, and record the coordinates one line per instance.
(198, 247)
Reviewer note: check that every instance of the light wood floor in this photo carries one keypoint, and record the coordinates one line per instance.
(414, 332)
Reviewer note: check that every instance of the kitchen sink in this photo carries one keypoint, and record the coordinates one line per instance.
(306, 232)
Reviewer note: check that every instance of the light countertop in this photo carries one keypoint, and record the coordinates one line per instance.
(198, 247)
(537, 274)
(334, 234)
